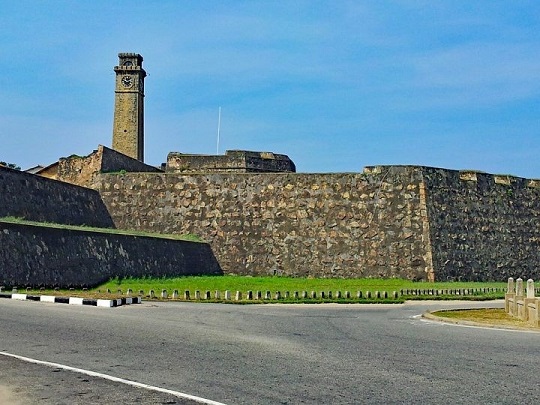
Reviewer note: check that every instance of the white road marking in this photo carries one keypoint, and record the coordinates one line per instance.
(115, 379)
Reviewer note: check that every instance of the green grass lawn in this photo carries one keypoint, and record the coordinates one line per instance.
(492, 316)
(397, 290)
(245, 283)
(289, 284)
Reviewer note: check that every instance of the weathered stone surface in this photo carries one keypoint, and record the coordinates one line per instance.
(325, 225)
(80, 170)
(40, 199)
(234, 161)
(482, 228)
(389, 221)
(42, 256)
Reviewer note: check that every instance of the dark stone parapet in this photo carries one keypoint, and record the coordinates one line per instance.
(49, 257)
(234, 161)
(36, 198)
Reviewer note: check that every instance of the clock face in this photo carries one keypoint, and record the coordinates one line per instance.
(127, 81)
(128, 63)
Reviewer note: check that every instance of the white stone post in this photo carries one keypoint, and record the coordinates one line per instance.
(530, 288)
(509, 297)
(529, 304)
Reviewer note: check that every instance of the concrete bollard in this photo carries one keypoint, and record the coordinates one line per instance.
(368, 294)
(259, 295)
(338, 295)
(108, 290)
(304, 294)
(359, 294)
(249, 295)
(267, 295)
(164, 294)
(187, 295)
(238, 296)
(175, 295)
(378, 294)
(277, 296)
(519, 287)
(287, 295)
(385, 294)
(129, 292)
(322, 295)
(530, 288)
(207, 295)
(329, 294)
(395, 295)
(119, 291)
(197, 295)
(227, 295)
(217, 295)
(295, 295)
(152, 294)
(347, 294)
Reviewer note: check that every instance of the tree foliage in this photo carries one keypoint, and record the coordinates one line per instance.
(10, 165)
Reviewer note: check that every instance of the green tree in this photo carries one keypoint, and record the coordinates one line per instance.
(10, 165)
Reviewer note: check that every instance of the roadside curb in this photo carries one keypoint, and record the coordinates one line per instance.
(429, 315)
(74, 300)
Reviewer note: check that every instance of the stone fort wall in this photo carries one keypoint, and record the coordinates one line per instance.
(483, 226)
(45, 256)
(40, 199)
(324, 225)
(49, 257)
(390, 221)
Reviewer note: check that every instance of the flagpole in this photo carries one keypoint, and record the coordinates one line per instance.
(218, 130)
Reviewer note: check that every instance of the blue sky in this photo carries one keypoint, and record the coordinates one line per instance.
(337, 85)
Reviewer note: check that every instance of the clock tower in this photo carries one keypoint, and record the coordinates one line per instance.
(128, 125)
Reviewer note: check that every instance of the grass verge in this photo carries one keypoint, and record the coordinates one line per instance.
(246, 283)
(111, 231)
(490, 316)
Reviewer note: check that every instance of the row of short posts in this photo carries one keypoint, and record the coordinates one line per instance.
(454, 291)
(314, 295)
(267, 295)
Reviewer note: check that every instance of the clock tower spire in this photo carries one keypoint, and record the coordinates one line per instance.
(128, 124)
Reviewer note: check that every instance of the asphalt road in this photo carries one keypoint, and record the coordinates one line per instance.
(263, 354)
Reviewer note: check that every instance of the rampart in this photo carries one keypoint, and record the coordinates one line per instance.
(40, 199)
(390, 221)
(234, 161)
(483, 226)
(325, 225)
(80, 170)
(44, 256)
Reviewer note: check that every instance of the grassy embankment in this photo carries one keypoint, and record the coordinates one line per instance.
(287, 286)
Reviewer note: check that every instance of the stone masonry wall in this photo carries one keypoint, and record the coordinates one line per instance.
(327, 225)
(482, 226)
(43, 256)
(80, 170)
(234, 161)
(40, 199)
